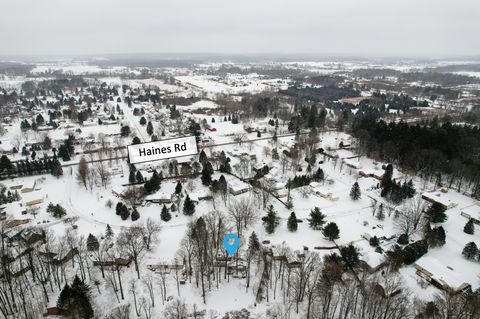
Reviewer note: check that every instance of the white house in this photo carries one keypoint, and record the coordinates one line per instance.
(440, 275)
(472, 212)
(237, 187)
(439, 197)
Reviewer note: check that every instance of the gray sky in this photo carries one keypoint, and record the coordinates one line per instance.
(426, 28)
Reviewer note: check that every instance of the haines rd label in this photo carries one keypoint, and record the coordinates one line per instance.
(158, 150)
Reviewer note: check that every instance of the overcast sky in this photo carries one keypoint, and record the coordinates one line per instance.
(425, 28)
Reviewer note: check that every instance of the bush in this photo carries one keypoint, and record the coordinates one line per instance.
(57, 211)
(469, 227)
(402, 239)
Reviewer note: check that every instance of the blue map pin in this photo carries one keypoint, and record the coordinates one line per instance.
(231, 241)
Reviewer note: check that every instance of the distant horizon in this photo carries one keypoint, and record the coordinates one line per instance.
(253, 56)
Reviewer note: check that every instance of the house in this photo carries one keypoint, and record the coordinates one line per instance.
(352, 163)
(323, 191)
(32, 198)
(159, 198)
(17, 222)
(440, 275)
(54, 311)
(117, 262)
(200, 195)
(118, 191)
(371, 261)
(472, 212)
(28, 187)
(68, 256)
(440, 198)
(165, 268)
(237, 187)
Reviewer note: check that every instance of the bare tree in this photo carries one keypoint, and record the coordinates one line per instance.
(409, 218)
(148, 283)
(150, 231)
(103, 174)
(242, 214)
(176, 310)
(82, 172)
(134, 195)
(130, 241)
(120, 312)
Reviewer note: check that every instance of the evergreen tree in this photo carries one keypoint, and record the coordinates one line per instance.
(355, 193)
(253, 243)
(108, 232)
(92, 243)
(292, 223)
(178, 188)
(469, 227)
(118, 208)
(381, 212)
(56, 169)
(188, 207)
(143, 121)
(331, 231)
(153, 184)
(222, 185)
(124, 212)
(125, 131)
(350, 256)
(373, 241)
(135, 214)
(131, 177)
(271, 221)
(57, 211)
(317, 219)
(436, 213)
(136, 140)
(139, 177)
(275, 155)
(165, 214)
(470, 251)
(207, 172)
(435, 237)
(81, 299)
(402, 239)
(76, 299)
(149, 128)
(63, 300)
(319, 175)
(410, 189)
(202, 157)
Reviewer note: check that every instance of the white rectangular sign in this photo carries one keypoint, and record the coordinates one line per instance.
(159, 150)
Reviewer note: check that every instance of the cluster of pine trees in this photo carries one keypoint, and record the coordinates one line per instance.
(75, 299)
(303, 180)
(56, 211)
(8, 196)
(395, 191)
(442, 152)
(122, 211)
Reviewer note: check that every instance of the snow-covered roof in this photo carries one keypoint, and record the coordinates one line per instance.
(237, 186)
(441, 273)
(439, 197)
(372, 258)
(158, 196)
(473, 211)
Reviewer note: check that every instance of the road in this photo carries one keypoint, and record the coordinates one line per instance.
(199, 147)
